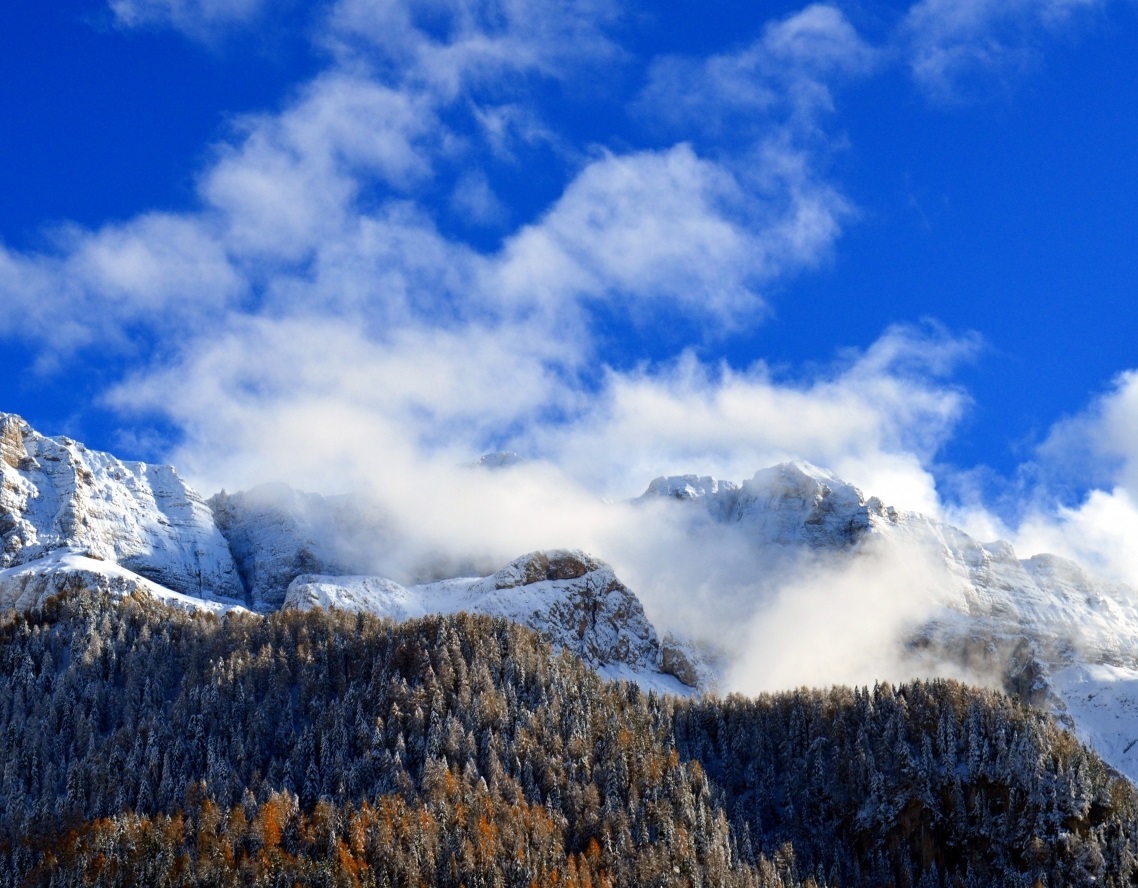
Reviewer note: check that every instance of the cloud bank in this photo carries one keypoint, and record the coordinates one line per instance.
(316, 319)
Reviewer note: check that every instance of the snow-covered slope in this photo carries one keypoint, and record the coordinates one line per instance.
(56, 494)
(29, 586)
(1055, 635)
(573, 599)
(1102, 703)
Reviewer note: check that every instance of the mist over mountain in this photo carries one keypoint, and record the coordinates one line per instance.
(792, 577)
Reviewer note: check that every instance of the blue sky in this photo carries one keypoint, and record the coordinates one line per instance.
(625, 239)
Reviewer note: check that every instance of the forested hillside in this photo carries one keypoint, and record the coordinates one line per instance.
(144, 745)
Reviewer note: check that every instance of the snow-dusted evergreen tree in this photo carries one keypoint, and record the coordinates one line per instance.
(143, 745)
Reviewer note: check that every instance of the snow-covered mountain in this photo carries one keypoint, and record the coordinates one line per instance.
(573, 599)
(1049, 631)
(276, 533)
(1050, 600)
(56, 494)
(74, 518)
(29, 586)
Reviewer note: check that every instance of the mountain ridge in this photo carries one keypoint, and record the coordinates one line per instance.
(71, 517)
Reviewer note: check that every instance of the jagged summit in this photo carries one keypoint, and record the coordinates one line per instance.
(786, 504)
(56, 494)
(686, 487)
(795, 476)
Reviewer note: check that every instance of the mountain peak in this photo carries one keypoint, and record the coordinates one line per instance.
(500, 459)
(56, 494)
(801, 475)
(547, 565)
(686, 487)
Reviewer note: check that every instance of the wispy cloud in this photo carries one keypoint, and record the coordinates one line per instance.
(448, 46)
(290, 182)
(872, 418)
(789, 70)
(1084, 475)
(963, 49)
(197, 18)
(315, 209)
(665, 227)
(156, 272)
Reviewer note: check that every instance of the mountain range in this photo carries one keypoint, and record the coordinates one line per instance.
(1040, 628)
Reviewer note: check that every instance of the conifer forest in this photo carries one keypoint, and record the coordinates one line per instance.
(143, 745)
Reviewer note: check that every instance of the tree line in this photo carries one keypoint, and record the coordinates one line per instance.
(143, 745)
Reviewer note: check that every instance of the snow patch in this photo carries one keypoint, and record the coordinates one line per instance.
(1102, 700)
(28, 586)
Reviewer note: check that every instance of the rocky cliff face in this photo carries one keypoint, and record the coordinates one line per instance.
(577, 602)
(56, 494)
(791, 504)
(277, 533)
(574, 600)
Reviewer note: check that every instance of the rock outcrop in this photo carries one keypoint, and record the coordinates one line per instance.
(57, 494)
(574, 600)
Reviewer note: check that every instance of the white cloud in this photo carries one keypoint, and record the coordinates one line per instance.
(787, 70)
(844, 622)
(158, 271)
(875, 420)
(198, 18)
(1083, 487)
(314, 208)
(671, 229)
(474, 201)
(659, 226)
(819, 38)
(387, 270)
(252, 395)
(1098, 446)
(290, 181)
(447, 46)
(1099, 533)
(961, 48)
